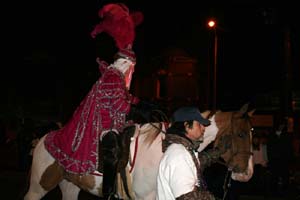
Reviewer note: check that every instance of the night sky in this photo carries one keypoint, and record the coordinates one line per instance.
(48, 45)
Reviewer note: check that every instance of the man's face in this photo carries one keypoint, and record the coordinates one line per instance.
(195, 132)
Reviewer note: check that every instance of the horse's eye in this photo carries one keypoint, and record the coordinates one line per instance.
(242, 134)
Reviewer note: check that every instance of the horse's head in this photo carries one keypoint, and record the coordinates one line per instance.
(234, 138)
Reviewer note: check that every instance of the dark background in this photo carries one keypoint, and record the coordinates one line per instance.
(50, 56)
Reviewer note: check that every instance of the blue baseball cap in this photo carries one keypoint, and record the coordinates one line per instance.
(189, 114)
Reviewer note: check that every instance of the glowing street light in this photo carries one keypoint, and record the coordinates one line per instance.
(213, 25)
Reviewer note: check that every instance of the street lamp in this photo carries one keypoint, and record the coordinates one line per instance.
(212, 25)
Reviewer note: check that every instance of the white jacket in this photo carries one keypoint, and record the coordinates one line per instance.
(177, 173)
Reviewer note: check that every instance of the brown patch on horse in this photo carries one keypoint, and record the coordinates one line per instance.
(86, 182)
(52, 176)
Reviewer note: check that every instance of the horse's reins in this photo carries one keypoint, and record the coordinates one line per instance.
(164, 117)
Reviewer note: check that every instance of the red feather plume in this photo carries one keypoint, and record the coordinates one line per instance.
(119, 23)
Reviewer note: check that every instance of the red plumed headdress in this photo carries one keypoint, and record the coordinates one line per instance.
(120, 24)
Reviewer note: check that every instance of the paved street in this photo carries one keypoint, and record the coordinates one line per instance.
(13, 182)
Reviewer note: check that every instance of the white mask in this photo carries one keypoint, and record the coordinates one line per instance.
(127, 68)
(128, 76)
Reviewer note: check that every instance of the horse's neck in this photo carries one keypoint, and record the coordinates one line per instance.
(209, 134)
(145, 135)
(144, 152)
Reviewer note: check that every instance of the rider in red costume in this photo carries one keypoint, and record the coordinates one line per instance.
(101, 116)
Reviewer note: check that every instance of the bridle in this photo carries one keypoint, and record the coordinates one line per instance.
(234, 151)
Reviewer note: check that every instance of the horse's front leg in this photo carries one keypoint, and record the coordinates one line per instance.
(69, 191)
(35, 192)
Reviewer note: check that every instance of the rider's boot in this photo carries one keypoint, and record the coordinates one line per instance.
(111, 152)
(124, 143)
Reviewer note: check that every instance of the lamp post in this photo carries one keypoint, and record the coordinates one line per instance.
(212, 25)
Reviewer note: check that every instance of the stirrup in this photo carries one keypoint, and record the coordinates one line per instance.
(113, 196)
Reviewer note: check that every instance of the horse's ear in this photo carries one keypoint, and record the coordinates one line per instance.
(250, 113)
(205, 114)
(244, 108)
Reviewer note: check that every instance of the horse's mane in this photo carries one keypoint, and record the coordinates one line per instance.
(150, 120)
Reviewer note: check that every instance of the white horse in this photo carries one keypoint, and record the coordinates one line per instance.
(145, 155)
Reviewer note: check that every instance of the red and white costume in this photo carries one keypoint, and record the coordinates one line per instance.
(75, 146)
(104, 109)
